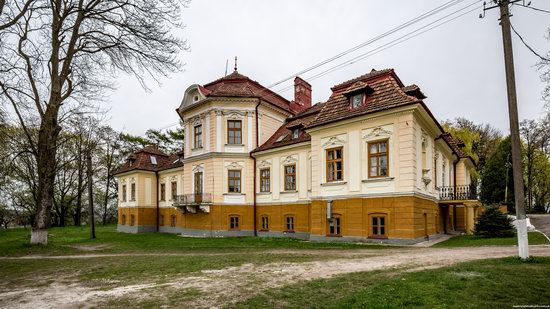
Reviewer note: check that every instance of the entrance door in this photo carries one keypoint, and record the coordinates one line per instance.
(198, 187)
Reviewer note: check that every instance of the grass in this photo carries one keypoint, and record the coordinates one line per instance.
(62, 241)
(535, 238)
(496, 283)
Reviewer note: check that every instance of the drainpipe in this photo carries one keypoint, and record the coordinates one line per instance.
(157, 199)
(253, 158)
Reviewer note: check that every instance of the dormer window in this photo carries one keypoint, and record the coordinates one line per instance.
(357, 100)
(295, 133)
(195, 98)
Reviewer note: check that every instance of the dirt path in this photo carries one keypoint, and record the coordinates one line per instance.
(237, 283)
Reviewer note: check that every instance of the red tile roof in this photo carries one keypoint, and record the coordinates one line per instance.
(141, 160)
(386, 92)
(238, 85)
(283, 135)
(456, 145)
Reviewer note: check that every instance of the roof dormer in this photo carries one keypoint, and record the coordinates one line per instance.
(357, 94)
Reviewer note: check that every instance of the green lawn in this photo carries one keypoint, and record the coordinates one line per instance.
(535, 238)
(62, 241)
(497, 283)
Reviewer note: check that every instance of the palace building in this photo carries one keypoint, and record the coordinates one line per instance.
(370, 164)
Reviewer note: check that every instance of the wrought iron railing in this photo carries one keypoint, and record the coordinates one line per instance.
(192, 199)
(458, 193)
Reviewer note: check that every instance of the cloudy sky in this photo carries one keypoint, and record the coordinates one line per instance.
(458, 65)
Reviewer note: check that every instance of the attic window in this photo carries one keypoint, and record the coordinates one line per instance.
(357, 100)
(195, 98)
(295, 133)
(153, 160)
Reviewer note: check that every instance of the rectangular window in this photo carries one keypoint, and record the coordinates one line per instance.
(334, 226)
(265, 180)
(174, 187)
(378, 159)
(234, 132)
(173, 220)
(378, 226)
(133, 193)
(132, 220)
(290, 177)
(163, 192)
(289, 220)
(124, 193)
(234, 181)
(335, 164)
(234, 222)
(198, 136)
(357, 101)
(265, 223)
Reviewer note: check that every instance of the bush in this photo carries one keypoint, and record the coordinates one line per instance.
(493, 223)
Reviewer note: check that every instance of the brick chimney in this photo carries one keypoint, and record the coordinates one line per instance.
(302, 95)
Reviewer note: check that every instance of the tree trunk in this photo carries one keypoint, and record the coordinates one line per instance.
(47, 148)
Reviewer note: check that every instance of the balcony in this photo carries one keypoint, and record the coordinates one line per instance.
(458, 193)
(192, 199)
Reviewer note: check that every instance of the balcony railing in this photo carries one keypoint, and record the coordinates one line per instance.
(458, 193)
(192, 199)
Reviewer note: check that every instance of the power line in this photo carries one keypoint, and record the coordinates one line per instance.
(533, 8)
(392, 43)
(370, 41)
(527, 45)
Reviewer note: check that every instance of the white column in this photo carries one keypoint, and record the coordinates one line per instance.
(353, 163)
(207, 132)
(188, 142)
(275, 178)
(218, 130)
(249, 139)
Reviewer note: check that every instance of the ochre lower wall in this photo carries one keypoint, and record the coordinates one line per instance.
(406, 217)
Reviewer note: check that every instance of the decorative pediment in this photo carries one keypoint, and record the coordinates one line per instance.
(264, 164)
(196, 120)
(173, 178)
(334, 141)
(198, 168)
(377, 132)
(234, 165)
(289, 160)
(132, 180)
(234, 114)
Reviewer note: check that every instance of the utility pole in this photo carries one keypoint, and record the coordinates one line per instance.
(90, 194)
(521, 220)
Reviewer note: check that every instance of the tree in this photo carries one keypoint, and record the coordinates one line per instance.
(494, 175)
(493, 223)
(480, 141)
(62, 53)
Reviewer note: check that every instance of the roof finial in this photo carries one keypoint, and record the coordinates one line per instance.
(235, 63)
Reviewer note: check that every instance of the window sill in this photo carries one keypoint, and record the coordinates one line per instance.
(378, 237)
(334, 235)
(235, 145)
(333, 183)
(286, 232)
(263, 230)
(289, 191)
(234, 193)
(263, 193)
(378, 179)
(196, 148)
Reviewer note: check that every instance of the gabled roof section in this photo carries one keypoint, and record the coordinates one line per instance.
(385, 92)
(150, 159)
(283, 135)
(455, 144)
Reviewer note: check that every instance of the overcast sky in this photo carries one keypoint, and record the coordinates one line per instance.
(459, 66)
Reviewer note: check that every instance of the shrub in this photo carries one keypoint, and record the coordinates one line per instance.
(493, 223)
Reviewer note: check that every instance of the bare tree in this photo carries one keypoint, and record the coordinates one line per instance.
(62, 52)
